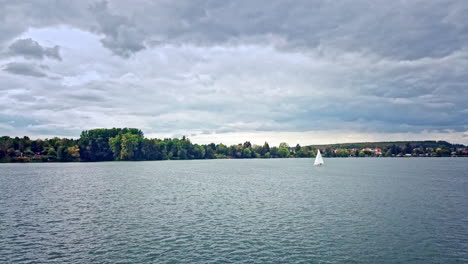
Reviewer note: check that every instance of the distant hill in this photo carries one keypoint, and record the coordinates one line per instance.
(383, 144)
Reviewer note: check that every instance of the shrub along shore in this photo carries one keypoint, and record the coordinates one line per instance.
(130, 144)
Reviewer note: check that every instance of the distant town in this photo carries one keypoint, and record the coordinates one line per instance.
(130, 144)
(395, 149)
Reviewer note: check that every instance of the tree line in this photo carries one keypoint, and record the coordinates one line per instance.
(130, 144)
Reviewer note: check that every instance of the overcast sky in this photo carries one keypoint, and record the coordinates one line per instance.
(299, 71)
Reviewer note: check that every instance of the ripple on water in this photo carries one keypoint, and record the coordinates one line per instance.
(235, 211)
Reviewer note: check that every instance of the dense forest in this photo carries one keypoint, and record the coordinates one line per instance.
(130, 144)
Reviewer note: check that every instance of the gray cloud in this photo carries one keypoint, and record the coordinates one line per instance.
(30, 49)
(122, 36)
(202, 67)
(402, 30)
(27, 69)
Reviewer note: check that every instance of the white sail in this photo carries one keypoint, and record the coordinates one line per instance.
(318, 159)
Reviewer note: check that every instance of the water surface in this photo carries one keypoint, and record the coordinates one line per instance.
(376, 210)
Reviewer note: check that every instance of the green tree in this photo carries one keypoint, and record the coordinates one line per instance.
(115, 144)
(236, 151)
(342, 153)
(199, 152)
(129, 146)
(94, 144)
(443, 151)
(247, 144)
(5, 144)
(73, 153)
(274, 152)
(303, 152)
(182, 154)
(222, 149)
(283, 152)
(209, 153)
(51, 153)
(265, 149)
(246, 153)
(297, 148)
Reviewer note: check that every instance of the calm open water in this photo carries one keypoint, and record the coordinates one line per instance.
(371, 210)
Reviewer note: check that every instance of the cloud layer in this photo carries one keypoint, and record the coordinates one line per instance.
(30, 49)
(25, 69)
(371, 69)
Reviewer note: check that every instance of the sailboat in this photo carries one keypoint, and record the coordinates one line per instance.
(318, 159)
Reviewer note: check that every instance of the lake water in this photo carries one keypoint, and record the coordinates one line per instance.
(367, 210)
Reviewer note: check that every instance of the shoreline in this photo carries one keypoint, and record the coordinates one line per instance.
(311, 158)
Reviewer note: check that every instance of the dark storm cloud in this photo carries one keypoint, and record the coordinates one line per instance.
(29, 48)
(397, 29)
(27, 69)
(122, 36)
